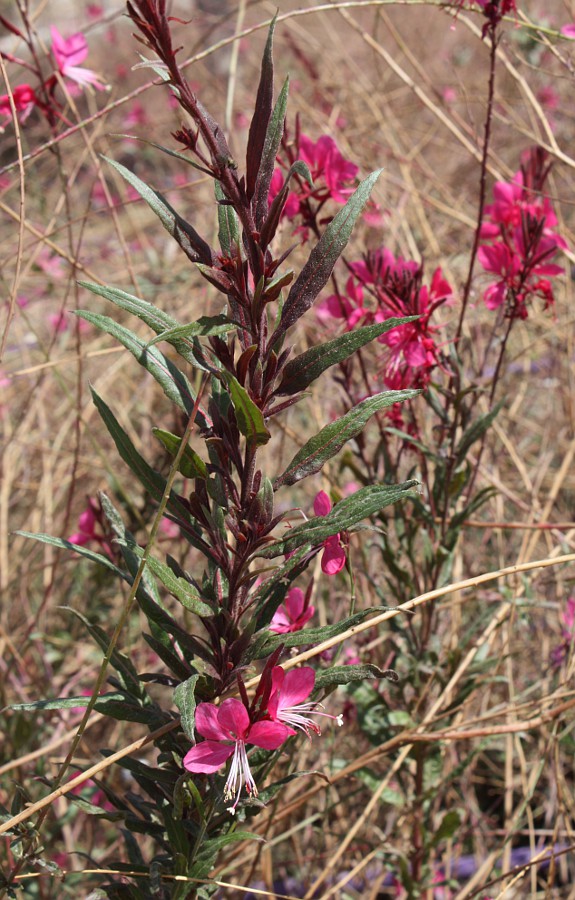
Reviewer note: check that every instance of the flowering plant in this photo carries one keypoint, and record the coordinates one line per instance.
(248, 372)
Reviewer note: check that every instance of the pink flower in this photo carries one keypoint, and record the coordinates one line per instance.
(326, 162)
(333, 558)
(68, 52)
(569, 31)
(293, 614)
(227, 730)
(287, 703)
(86, 527)
(24, 100)
(520, 226)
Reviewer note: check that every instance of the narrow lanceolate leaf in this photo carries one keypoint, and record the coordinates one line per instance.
(64, 702)
(324, 256)
(62, 544)
(270, 151)
(159, 321)
(185, 700)
(248, 416)
(191, 465)
(261, 117)
(205, 327)
(187, 237)
(151, 480)
(178, 587)
(345, 514)
(330, 440)
(476, 431)
(228, 223)
(305, 368)
(173, 382)
(265, 642)
(347, 674)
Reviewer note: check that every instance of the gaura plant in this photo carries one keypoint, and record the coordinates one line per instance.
(236, 373)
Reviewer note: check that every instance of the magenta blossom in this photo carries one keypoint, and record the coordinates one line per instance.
(293, 614)
(333, 558)
(333, 178)
(24, 100)
(288, 702)
(227, 729)
(68, 52)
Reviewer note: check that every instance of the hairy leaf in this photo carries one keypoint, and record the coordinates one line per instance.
(187, 237)
(305, 368)
(323, 446)
(185, 700)
(261, 117)
(323, 257)
(173, 382)
(344, 515)
(270, 151)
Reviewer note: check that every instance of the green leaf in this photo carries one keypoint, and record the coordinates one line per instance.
(475, 431)
(191, 465)
(157, 320)
(265, 642)
(228, 224)
(248, 416)
(305, 368)
(332, 437)
(185, 700)
(448, 827)
(344, 515)
(347, 674)
(77, 548)
(178, 587)
(173, 382)
(208, 325)
(152, 481)
(187, 237)
(318, 268)
(65, 702)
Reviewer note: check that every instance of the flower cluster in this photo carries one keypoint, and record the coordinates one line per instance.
(520, 228)
(333, 178)
(382, 287)
(279, 708)
(68, 53)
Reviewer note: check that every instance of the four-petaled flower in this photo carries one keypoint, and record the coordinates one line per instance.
(293, 614)
(287, 703)
(333, 558)
(227, 729)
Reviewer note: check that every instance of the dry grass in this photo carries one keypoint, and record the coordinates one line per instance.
(504, 758)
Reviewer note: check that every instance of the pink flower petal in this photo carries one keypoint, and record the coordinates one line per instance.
(207, 757)
(269, 735)
(322, 504)
(208, 724)
(294, 603)
(333, 559)
(233, 718)
(295, 686)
